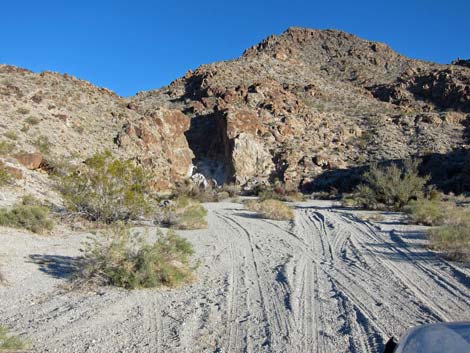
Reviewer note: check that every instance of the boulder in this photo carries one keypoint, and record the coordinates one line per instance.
(29, 160)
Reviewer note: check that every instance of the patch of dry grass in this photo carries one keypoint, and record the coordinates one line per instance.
(185, 213)
(271, 209)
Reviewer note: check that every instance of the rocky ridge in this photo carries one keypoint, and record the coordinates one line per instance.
(294, 108)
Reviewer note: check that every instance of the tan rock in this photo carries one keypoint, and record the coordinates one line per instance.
(29, 160)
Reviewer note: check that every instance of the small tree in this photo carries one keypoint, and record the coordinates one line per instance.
(392, 187)
(107, 189)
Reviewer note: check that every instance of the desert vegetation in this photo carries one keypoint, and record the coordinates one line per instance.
(126, 259)
(389, 188)
(453, 240)
(28, 214)
(9, 342)
(107, 189)
(271, 209)
(451, 226)
(184, 213)
(5, 176)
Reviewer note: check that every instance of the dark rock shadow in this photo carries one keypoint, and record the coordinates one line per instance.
(57, 266)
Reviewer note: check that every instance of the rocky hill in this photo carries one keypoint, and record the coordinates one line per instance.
(296, 107)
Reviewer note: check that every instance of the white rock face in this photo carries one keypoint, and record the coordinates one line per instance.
(250, 158)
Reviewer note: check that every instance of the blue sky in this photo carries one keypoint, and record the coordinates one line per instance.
(129, 46)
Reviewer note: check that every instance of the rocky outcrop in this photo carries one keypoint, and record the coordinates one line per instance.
(438, 89)
(157, 141)
(308, 102)
(299, 107)
(29, 160)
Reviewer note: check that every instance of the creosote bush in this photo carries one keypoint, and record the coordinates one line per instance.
(272, 209)
(128, 260)
(390, 187)
(107, 189)
(28, 214)
(9, 342)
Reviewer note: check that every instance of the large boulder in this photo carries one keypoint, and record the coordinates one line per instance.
(29, 160)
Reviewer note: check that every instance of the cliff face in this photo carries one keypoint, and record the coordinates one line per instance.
(308, 102)
(295, 107)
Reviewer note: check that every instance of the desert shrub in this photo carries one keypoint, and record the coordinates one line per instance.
(429, 212)
(277, 191)
(233, 190)
(5, 176)
(127, 260)
(185, 213)
(11, 135)
(272, 209)
(107, 190)
(31, 120)
(58, 166)
(223, 195)
(194, 192)
(43, 144)
(452, 239)
(22, 110)
(9, 342)
(6, 148)
(390, 187)
(27, 215)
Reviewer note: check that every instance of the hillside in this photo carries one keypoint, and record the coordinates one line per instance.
(303, 107)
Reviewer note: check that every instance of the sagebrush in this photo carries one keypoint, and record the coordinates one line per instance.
(124, 259)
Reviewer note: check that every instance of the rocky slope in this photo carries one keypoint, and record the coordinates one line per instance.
(307, 102)
(296, 107)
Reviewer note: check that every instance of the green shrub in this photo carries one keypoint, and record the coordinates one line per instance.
(277, 191)
(11, 135)
(107, 190)
(390, 187)
(271, 209)
(6, 148)
(125, 260)
(32, 217)
(5, 176)
(428, 212)
(452, 239)
(43, 144)
(9, 343)
(31, 120)
(22, 111)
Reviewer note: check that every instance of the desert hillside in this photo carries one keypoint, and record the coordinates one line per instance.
(305, 108)
(309, 102)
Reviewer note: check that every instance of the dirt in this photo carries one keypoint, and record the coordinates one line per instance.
(327, 282)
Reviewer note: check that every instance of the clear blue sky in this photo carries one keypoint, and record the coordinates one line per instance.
(129, 46)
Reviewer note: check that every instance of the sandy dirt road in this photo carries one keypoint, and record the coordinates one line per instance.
(327, 282)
